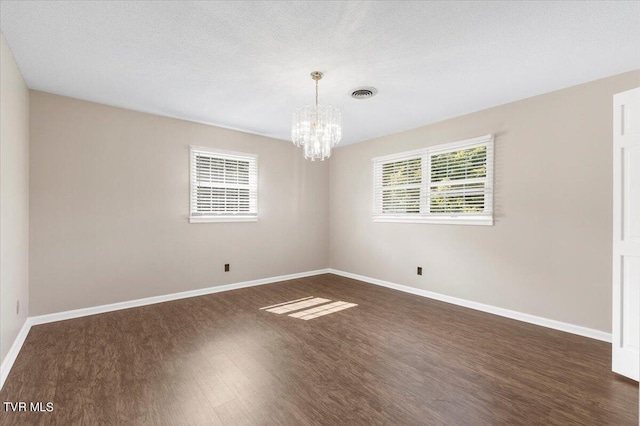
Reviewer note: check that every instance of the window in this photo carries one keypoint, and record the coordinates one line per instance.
(224, 186)
(450, 183)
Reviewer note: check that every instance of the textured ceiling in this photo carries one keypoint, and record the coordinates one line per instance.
(246, 65)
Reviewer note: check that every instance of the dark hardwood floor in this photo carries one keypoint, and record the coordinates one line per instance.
(394, 359)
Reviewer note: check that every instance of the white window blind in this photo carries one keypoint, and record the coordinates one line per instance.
(401, 182)
(224, 186)
(450, 183)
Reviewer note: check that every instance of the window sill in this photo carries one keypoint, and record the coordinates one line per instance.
(213, 219)
(447, 220)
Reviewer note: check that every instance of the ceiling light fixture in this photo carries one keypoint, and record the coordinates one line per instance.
(316, 128)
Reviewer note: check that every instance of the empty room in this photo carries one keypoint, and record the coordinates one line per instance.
(319, 212)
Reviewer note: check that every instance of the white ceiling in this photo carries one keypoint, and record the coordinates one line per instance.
(246, 65)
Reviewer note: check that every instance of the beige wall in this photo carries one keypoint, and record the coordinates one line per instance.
(109, 208)
(549, 252)
(110, 202)
(14, 198)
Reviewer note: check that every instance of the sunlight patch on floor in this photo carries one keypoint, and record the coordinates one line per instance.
(311, 302)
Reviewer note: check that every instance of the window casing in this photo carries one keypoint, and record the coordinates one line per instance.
(450, 183)
(224, 186)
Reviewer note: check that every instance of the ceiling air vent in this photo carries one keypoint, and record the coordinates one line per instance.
(364, 92)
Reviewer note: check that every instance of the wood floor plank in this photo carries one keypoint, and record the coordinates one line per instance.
(393, 359)
(233, 413)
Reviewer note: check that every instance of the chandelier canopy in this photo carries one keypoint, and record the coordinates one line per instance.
(316, 128)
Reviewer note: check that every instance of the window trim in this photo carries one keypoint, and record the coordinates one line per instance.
(225, 217)
(485, 219)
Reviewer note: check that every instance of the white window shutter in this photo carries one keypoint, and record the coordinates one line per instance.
(450, 183)
(224, 186)
(398, 186)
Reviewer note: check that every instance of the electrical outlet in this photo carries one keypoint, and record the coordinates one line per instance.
(226, 267)
(17, 307)
(419, 270)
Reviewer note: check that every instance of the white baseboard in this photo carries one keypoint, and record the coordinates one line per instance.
(533, 319)
(7, 363)
(76, 313)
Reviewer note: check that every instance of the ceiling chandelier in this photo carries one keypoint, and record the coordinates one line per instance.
(316, 128)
